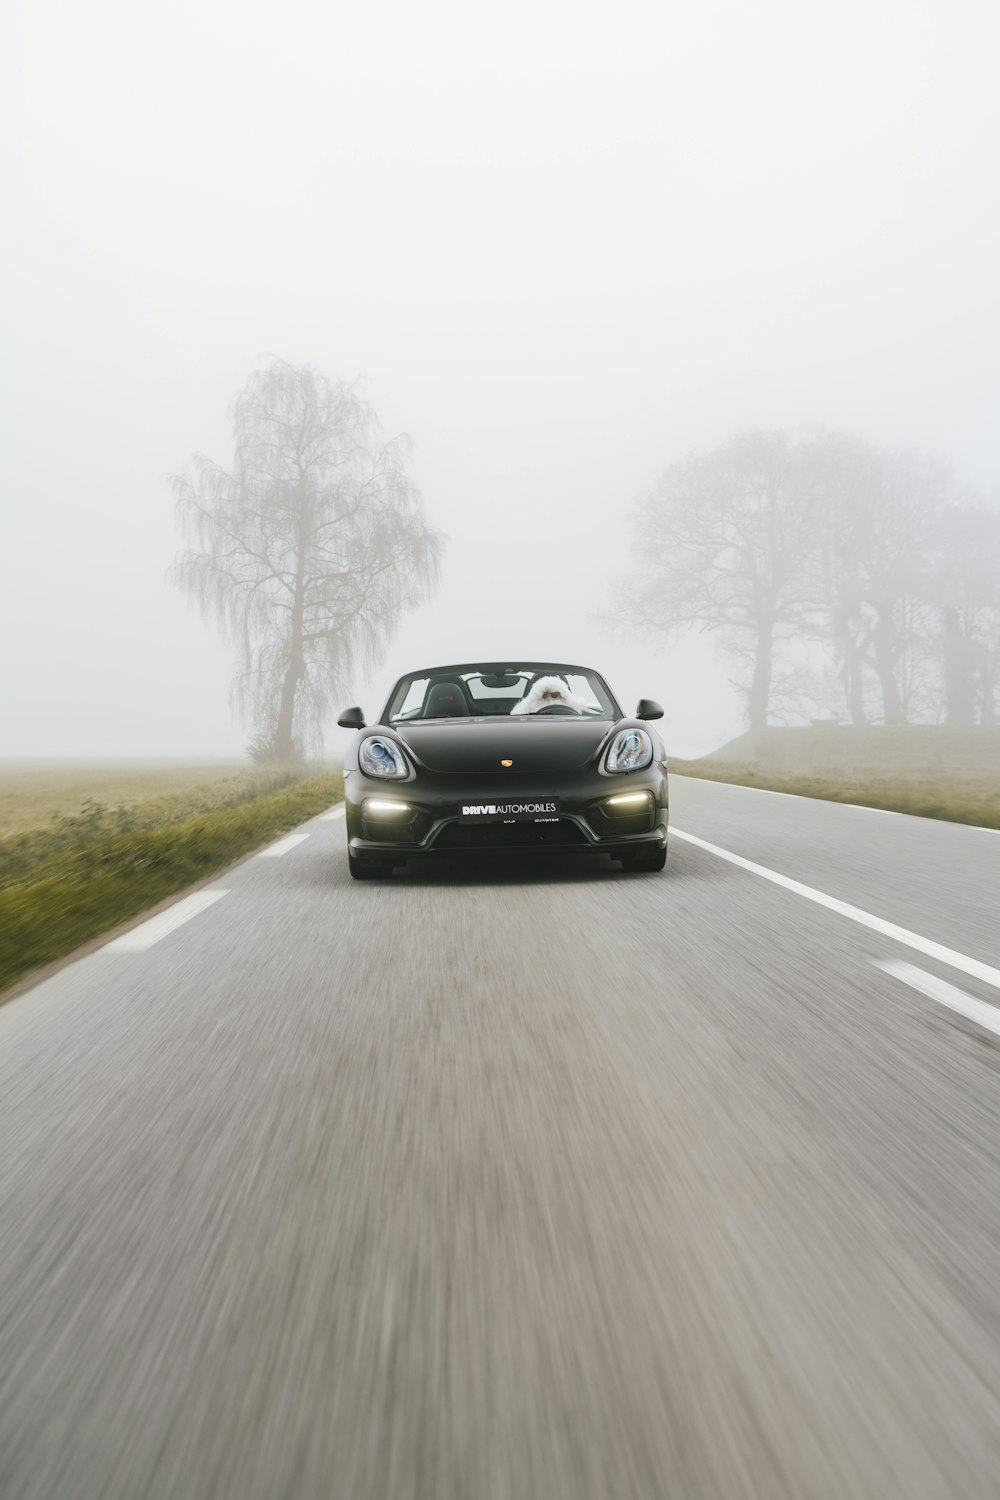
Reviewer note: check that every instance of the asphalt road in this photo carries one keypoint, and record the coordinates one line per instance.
(551, 1183)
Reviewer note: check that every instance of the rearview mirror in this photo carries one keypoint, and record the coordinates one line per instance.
(648, 708)
(352, 718)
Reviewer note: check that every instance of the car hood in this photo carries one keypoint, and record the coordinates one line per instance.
(474, 746)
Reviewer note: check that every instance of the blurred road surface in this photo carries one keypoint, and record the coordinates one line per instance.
(522, 1185)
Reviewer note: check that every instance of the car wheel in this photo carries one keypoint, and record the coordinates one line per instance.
(363, 867)
(656, 859)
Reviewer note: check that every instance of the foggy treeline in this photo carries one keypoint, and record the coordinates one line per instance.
(843, 580)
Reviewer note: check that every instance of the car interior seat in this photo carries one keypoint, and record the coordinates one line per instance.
(445, 700)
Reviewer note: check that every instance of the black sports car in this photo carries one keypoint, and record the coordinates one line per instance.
(491, 756)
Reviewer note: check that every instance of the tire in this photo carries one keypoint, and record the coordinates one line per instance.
(654, 859)
(364, 867)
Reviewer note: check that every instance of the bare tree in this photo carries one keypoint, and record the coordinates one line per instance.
(307, 551)
(849, 472)
(965, 589)
(723, 544)
(881, 517)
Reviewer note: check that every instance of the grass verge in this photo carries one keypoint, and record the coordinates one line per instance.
(921, 793)
(64, 886)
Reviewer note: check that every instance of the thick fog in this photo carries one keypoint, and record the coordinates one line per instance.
(561, 244)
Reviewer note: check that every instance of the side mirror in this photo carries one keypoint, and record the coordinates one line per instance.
(648, 708)
(352, 718)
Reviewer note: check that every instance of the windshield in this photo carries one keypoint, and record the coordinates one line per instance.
(537, 689)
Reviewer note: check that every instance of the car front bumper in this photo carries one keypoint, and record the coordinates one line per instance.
(426, 821)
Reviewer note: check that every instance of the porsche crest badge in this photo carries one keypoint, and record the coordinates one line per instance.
(506, 762)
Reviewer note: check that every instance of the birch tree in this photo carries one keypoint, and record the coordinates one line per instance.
(307, 550)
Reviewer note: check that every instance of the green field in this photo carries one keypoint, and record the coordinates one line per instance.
(930, 771)
(32, 793)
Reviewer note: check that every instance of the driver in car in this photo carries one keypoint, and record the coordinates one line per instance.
(546, 691)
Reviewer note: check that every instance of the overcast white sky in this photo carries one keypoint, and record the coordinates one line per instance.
(563, 243)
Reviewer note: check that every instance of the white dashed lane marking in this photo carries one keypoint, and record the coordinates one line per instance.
(987, 1016)
(275, 851)
(138, 939)
(148, 933)
(971, 966)
(335, 812)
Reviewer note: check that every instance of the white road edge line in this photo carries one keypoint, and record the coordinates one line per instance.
(970, 966)
(335, 812)
(984, 1015)
(275, 851)
(890, 812)
(148, 933)
(769, 791)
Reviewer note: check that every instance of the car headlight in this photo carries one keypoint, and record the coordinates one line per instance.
(382, 758)
(630, 751)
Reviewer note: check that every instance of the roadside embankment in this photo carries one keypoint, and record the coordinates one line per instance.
(926, 770)
(67, 883)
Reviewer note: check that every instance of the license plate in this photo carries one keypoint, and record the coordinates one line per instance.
(512, 810)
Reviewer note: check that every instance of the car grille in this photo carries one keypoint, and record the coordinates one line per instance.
(509, 835)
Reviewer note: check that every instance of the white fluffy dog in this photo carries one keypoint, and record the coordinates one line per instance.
(545, 691)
